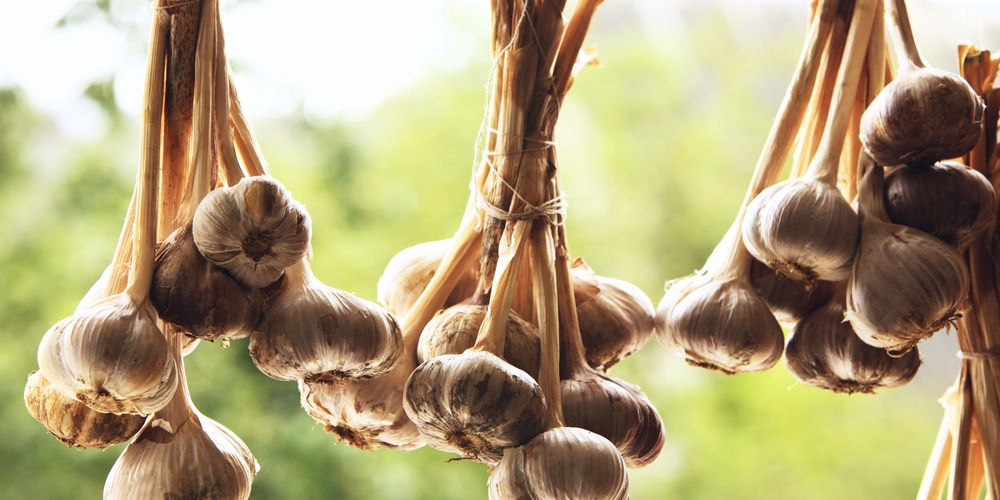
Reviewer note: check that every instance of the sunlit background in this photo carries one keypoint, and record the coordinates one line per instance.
(368, 112)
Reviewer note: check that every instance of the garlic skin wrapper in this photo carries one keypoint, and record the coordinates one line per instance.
(408, 273)
(720, 324)
(474, 404)
(313, 331)
(922, 116)
(802, 228)
(949, 200)
(200, 299)
(617, 410)
(453, 330)
(789, 300)
(561, 463)
(73, 422)
(823, 351)
(905, 284)
(615, 316)
(253, 229)
(200, 458)
(112, 357)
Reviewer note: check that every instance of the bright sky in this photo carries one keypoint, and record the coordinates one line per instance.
(331, 57)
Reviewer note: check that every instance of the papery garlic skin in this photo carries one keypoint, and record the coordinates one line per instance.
(474, 404)
(200, 458)
(112, 357)
(802, 228)
(823, 351)
(719, 324)
(313, 331)
(561, 463)
(73, 422)
(407, 274)
(789, 300)
(453, 330)
(922, 116)
(254, 229)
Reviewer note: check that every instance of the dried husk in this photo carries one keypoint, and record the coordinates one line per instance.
(253, 229)
(408, 272)
(789, 300)
(313, 331)
(615, 317)
(112, 357)
(823, 351)
(905, 284)
(948, 200)
(73, 422)
(453, 330)
(199, 298)
(474, 404)
(561, 463)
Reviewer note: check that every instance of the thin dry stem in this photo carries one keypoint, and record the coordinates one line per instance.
(246, 142)
(228, 158)
(122, 260)
(548, 305)
(936, 473)
(901, 20)
(200, 157)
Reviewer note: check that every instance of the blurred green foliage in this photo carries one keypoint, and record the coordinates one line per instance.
(655, 149)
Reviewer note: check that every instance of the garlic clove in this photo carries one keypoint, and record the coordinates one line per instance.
(720, 324)
(112, 357)
(315, 332)
(789, 300)
(253, 229)
(368, 414)
(922, 116)
(561, 463)
(949, 200)
(823, 351)
(200, 458)
(73, 422)
(615, 318)
(453, 330)
(616, 410)
(475, 404)
(199, 298)
(408, 272)
(802, 228)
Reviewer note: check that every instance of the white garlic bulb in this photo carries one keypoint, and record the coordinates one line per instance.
(254, 229)
(408, 273)
(112, 357)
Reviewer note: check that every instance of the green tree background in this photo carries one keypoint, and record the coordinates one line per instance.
(656, 149)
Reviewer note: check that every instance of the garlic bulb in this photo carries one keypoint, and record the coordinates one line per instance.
(408, 272)
(112, 357)
(201, 299)
(199, 458)
(73, 422)
(253, 229)
(312, 331)
(453, 330)
(823, 351)
(615, 317)
(922, 116)
(719, 324)
(368, 414)
(803, 228)
(905, 284)
(788, 299)
(475, 404)
(561, 463)
(953, 202)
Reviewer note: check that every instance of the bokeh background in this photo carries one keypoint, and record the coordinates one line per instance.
(368, 112)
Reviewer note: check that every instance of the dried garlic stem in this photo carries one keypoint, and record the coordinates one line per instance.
(936, 474)
(246, 142)
(827, 159)
(550, 306)
(223, 131)
(493, 332)
(201, 158)
(144, 232)
(569, 49)
(961, 430)
(901, 19)
(122, 260)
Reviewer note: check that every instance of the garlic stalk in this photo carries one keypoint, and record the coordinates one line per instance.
(803, 227)
(112, 356)
(409, 271)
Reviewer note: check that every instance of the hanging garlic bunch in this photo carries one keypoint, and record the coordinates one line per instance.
(254, 229)
(905, 284)
(615, 317)
(823, 351)
(312, 331)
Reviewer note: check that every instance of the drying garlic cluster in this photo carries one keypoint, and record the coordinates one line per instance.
(861, 284)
